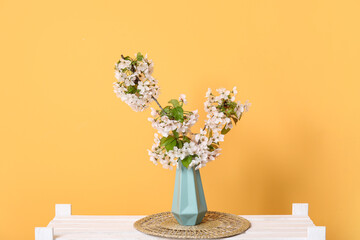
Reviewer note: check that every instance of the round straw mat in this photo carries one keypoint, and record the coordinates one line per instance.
(214, 225)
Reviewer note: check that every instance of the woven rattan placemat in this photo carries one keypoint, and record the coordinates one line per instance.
(214, 225)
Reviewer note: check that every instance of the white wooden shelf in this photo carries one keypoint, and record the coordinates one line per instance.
(65, 226)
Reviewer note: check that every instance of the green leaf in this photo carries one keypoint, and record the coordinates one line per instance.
(174, 102)
(225, 130)
(233, 104)
(214, 145)
(210, 133)
(178, 114)
(167, 141)
(162, 141)
(187, 160)
(132, 89)
(166, 111)
(139, 56)
(179, 144)
(170, 145)
(134, 62)
(186, 139)
(127, 58)
(235, 120)
(176, 134)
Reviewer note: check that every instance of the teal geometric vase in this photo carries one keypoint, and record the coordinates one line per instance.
(189, 206)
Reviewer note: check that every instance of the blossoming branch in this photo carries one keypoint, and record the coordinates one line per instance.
(175, 142)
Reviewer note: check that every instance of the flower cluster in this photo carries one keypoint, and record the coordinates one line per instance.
(176, 142)
(135, 85)
(173, 118)
(222, 111)
(164, 125)
(193, 152)
(179, 143)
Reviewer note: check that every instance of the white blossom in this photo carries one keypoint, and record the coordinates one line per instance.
(153, 112)
(137, 88)
(135, 85)
(197, 147)
(164, 125)
(215, 106)
(204, 146)
(182, 98)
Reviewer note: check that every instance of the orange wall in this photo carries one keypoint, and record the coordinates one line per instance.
(66, 138)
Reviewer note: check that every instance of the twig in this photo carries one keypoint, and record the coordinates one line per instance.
(157, 103)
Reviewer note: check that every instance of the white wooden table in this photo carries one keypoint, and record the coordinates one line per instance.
(65, 226)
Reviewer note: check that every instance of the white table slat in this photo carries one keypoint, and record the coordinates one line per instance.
(263, 227)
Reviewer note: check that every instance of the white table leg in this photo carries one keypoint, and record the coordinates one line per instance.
(62, 210)
(44, 233)
(300, 209)
(316, 233)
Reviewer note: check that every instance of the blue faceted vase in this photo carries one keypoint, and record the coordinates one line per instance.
(189, 206)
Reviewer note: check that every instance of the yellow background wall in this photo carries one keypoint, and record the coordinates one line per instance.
(66, 138)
